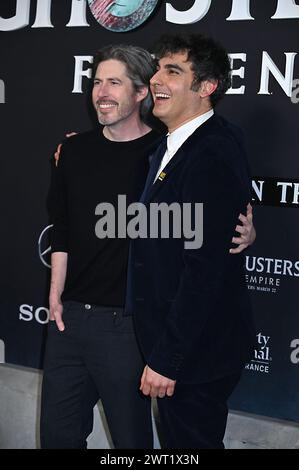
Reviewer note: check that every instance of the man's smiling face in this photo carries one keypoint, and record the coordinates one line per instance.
(174, 101)
(113, 95)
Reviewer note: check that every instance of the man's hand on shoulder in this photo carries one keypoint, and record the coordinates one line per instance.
(58, 150)
(246, 230)
(156, 385)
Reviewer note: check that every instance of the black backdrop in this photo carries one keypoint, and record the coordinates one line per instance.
(38, 105)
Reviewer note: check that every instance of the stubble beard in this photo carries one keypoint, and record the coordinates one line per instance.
(122, 114)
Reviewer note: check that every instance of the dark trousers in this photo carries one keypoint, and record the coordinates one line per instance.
(195, 416)
(95, 357)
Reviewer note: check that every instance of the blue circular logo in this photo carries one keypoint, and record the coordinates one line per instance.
(121, 15)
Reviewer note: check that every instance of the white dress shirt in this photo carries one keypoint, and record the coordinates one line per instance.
(176, 139)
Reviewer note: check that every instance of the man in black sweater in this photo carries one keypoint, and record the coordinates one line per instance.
(92, 351)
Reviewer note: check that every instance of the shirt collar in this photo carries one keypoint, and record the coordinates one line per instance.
(176, 139)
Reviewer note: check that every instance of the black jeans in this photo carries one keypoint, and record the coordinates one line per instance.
(95, 357)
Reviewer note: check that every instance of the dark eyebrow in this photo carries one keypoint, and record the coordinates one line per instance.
(174, 66)
(110, 79)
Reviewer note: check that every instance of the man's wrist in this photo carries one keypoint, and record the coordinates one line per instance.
(55, 298)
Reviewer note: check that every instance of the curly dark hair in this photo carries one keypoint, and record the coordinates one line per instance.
(208, 58)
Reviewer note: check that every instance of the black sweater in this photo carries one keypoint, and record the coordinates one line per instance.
(91, 170)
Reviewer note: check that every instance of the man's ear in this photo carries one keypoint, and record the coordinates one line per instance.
(207, 87)
(142, 93)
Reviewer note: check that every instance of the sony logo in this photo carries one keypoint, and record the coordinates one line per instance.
(29, 313)
(240, 11)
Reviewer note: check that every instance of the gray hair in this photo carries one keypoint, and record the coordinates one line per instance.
(140, 68)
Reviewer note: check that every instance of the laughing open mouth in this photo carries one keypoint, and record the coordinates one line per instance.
(162, 96)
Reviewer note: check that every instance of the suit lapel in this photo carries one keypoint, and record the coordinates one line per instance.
(164, 174)
(181, 155)
(155, 161)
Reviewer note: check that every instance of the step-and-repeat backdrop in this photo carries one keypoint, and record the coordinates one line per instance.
(46, 50)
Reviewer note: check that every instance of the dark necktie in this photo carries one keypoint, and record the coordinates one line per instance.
(154, 167)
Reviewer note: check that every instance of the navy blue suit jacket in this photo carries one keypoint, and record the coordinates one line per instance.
(191, 308)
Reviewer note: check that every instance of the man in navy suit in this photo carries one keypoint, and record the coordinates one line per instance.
(191, 307)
